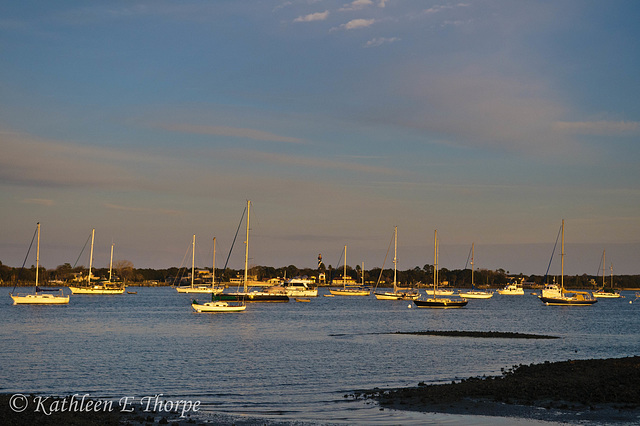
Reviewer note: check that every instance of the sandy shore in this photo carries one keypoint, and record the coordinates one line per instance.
(583, 391)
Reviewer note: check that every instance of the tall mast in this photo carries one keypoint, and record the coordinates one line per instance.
(562, 260)
(213, 271)
(37, 257)
(395, 258)
(435, 261)
(344, 273)
(472, 249)
(363, 274)
(111, 262)
(246, 249)
(93, 232)
(193, 259)
(603, 267)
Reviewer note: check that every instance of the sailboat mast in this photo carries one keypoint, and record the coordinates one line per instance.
(362, 274)
(435, 261)
(193, 259)
(213, 271)
(603, 267)
(111, 262)
(93, 233)
(246, 249)
(344, 273)
(395, 259)
(562, 260)
(37, 257)
(472, 249)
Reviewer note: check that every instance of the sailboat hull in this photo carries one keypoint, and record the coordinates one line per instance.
(253, 296)
(567, 301)
(96, 290)
(476, 295)
(217, 306)
(208, 290)
(389, 295)
(350, 292)
(39, 299)
(604, 295)
(441, 303)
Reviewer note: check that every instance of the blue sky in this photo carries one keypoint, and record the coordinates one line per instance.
(490, 121)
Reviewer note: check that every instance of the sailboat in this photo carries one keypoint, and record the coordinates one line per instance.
(216, 305)
(102, 287)
(435, 301)
(41, 296)
(397, 293)
(270, 294)
(554, 295)
(201, 288)
(348, 284)
(475, 293)
(606, 293)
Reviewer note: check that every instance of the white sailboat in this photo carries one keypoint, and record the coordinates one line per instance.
(349, 288)
(103, 287)
(397, 293)
(435, 301)
(475, 293)
(606, 293)
(216, 305)
(41, 296)
(274, 293)
(201, 288)
(554, 295)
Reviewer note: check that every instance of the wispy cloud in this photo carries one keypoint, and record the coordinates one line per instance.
(236, 132)
(39, 201)
(379, 41)
(26, 160)
(318, 16)
(355, 5)
(441, 8)
(355, 24)
(144, 210)
(598, 127)
(315, 162)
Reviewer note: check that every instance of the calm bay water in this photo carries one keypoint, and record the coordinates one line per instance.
(291, 361)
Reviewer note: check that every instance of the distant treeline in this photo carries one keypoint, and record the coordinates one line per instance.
(124, 270)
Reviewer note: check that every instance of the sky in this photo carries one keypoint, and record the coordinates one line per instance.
(490, 121)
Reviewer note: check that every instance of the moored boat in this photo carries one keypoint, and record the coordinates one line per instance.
(606, 293)
(270, 294)
(435, 301)
(398, 293)
(99, 287)
(554, 295)
(41, 296)
(474, 293)
(349, 288)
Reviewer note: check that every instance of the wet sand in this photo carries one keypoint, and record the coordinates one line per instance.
(587, 391)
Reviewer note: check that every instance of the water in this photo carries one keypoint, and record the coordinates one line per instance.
(291, 361)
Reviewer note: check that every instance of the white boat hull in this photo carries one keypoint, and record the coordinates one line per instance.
(350, 292)
(439, 292)
(389, 295)
(307, 292)
(217, 307)
(203, 290)
(96, 290)
(476, 295)
(39, 299)
(606, 295)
